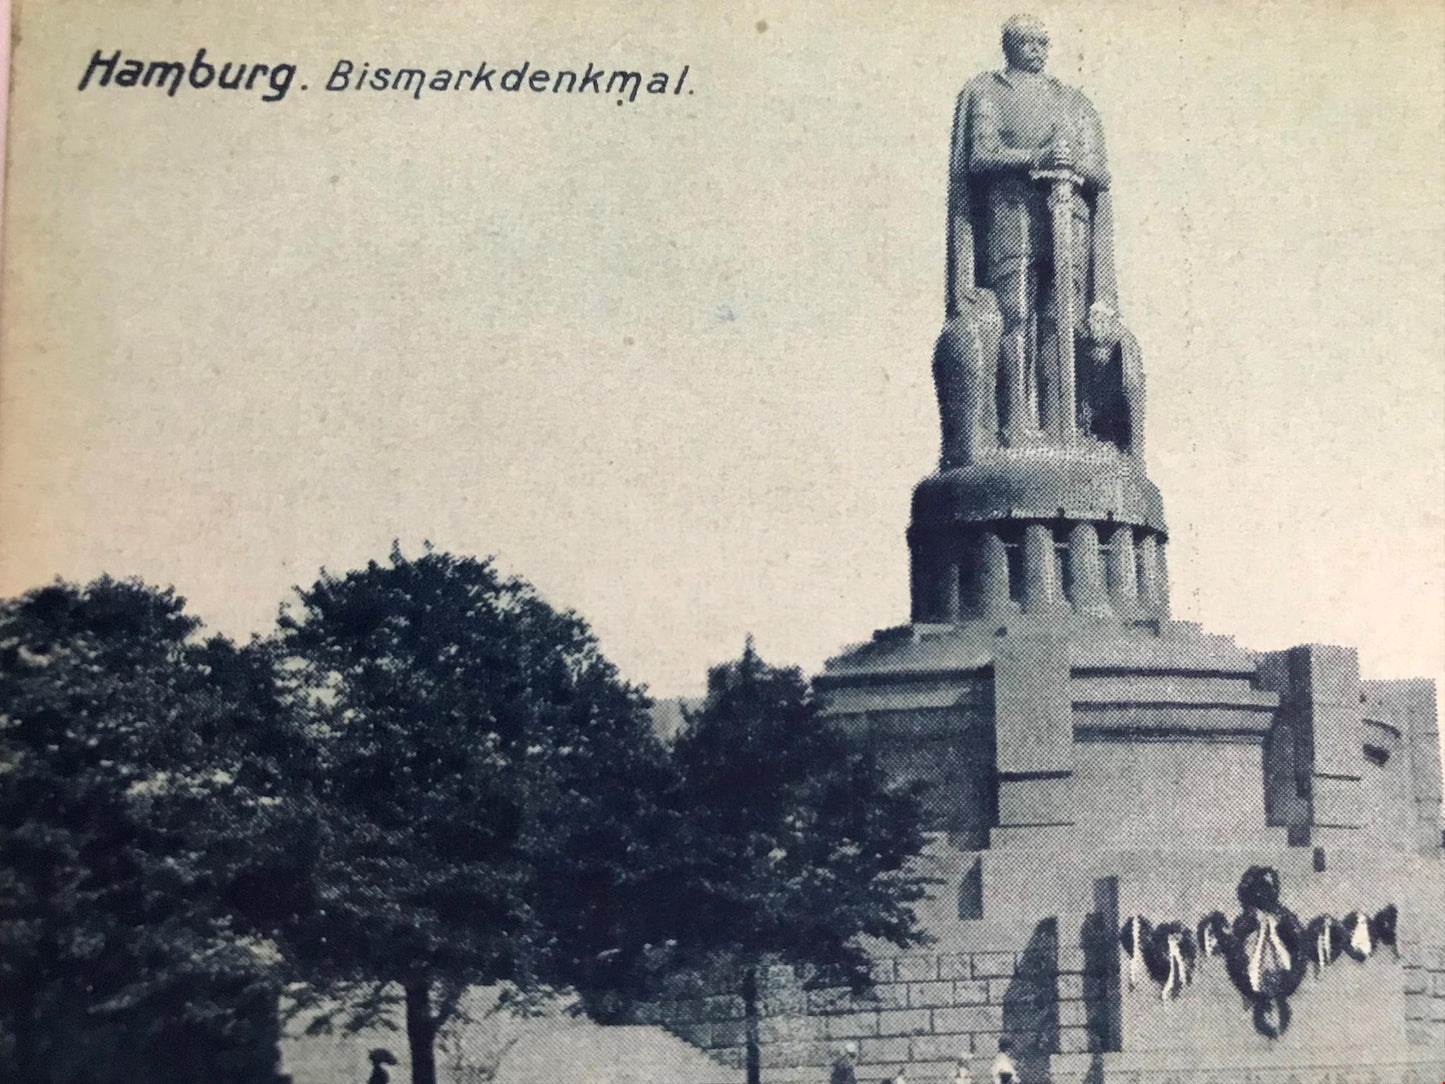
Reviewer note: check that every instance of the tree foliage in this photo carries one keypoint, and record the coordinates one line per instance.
(800, 845)
(141, 768)
(797, 848)
(480, 765)
(427, 780)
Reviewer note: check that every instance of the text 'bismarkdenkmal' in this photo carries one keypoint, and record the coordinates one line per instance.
(272, 82)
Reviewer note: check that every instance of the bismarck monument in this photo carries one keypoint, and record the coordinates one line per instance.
(1161, 855)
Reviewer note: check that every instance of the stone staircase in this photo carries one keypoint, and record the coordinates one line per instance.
(584, 1053)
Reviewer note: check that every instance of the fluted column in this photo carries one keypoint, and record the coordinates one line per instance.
(948, 590)
(1148, 562)
(1123, 574)
(1086, 571)
(916, 593)
(992, 563)
(1161, 576)
(935, 581)
(1041, 586)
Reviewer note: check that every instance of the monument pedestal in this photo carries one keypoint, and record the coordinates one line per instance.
(1084, 770)
(1089, 759)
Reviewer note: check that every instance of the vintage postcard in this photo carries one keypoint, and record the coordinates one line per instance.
(716, 543)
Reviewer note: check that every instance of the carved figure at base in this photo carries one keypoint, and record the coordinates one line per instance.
(1032, 347)
(1111, 383)
(965, 364)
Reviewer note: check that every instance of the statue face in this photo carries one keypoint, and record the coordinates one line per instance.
(1026, 45)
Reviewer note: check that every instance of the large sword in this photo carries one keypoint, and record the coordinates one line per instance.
(1063, 184)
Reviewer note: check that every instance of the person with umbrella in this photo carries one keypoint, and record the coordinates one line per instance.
(380, 1056)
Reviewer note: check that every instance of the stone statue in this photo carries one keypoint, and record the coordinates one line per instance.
(1033, 349)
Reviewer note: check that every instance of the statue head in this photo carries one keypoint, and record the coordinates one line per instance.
(1025, 43)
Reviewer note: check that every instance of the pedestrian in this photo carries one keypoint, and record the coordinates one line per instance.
(380, 1057)
(843, 1071)
(1004, 1069)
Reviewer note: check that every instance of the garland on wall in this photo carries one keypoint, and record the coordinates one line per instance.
(1266, 949)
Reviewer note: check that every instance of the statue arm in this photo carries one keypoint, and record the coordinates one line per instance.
(987, 152)
(1106, 285)
(959, 271)
(1091, 161)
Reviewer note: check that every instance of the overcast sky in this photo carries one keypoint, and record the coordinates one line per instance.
(670, 360)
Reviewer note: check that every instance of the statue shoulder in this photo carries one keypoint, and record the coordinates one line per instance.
(1079, 102)
(981, 86)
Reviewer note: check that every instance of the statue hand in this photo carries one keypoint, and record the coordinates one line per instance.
(1058, 155)
(975, 304)
(1104, 327)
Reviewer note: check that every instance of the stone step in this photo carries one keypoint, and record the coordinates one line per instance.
(579, 1051)
(1196, 1067)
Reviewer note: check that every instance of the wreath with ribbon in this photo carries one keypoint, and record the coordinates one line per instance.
(1383, 927)
(1133, 936)
(1326, 939)
(1266, 949)
(1364, 933)
(1264, 953)
(1169, 956)
(1210, 935)
(1359, 941)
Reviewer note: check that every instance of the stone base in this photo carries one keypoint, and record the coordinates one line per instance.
(1087, 480)
(1327, 1066)
(1042, 969)
(1087, 770)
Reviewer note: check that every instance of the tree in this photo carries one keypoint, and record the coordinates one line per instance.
(139, 770)
(796, 847)
(479, 761)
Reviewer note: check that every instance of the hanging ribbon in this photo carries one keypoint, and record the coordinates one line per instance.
(1360, 938)
(1267, 940)
(1209, 934)
(1178, 970)
(1324, 948)
(1136, 952)
(1267, 951)
(1382, 927)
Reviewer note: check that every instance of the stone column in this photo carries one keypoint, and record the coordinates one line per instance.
(1123, 575)
(1087, 571)
(1161, 577)
(944, 593)
(1041, 587)
(992, 563)
(935, 576)
(915, 579)
(1148, 559)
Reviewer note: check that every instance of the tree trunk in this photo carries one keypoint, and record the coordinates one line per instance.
(421, 1030)
(750, 1025)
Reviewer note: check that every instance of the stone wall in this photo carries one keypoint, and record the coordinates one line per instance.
(1051, 1003)
(1425, 996)
(924, 1010)
(1055, 987)
(1126, 1069)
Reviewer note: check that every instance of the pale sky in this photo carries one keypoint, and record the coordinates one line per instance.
(670, 360)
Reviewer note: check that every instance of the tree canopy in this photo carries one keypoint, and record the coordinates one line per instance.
(427, 779)
(797, 848)
(481, 765)
(140, 768)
